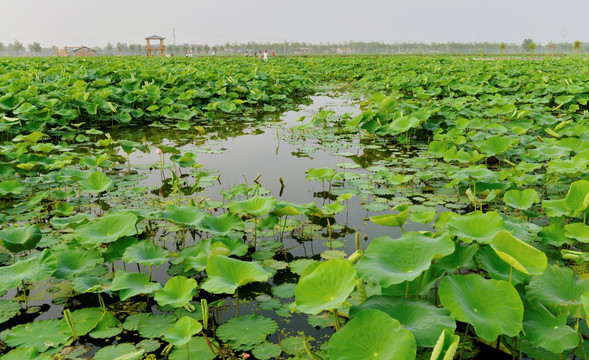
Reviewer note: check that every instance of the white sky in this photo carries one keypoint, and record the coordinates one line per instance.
(97, 22)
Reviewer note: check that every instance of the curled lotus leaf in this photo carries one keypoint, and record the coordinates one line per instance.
(476, 226)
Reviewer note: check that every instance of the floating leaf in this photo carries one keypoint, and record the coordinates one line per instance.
(226, 274)
(40, 334)
(131, 284)
(106, 229)
(120, 351)
(247, 329)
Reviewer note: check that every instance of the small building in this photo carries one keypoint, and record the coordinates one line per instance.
(155, 47)
(76, 51)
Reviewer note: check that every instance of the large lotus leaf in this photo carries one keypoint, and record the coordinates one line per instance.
(324, 286)
(493, 307)
(36, 268)
(86, 284)
(75, 261)
(25, 353)
(476, 226)
(106, 229)
(548, 331)
(372, 334)
(498, 269)
(131, 284)
(391, 261)
(154, 326)
(183, 215)
(256, 205)
(577, 198)
(8, 310)
(97, 182)
(267, 351)
(108, 326)
(559, 289)
(393, 220)
(521, 199)
(578, 231)
(17, 239)
(11, 187)
(226, 274)
(446, 346)
(519, 254)
(496, 145)
(221, 225)
(40, 334)
(182, 331)
(84, 320)
(120, 351)
(146, 253)
(195, 256)
(197, 349)
(402, 124)
(247, 329)
(424, 320)
(177, 292)
(320, 174)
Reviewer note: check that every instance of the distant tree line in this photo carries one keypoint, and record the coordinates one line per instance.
(528, 46)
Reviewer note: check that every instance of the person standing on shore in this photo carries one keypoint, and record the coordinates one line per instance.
(265, 55)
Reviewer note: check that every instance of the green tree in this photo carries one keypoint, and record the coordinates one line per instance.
(502, 48)
(532, 48)
(206, 48)
(526, 44)
(109, 49)
(18, 46)
(35, 48)
(1, 46)
(576, 46)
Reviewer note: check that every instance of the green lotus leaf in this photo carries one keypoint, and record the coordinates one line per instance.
(17, 239)
(197, 349)
(548, 331)
(563, 99)
(26, 353)
(132, 321)
(72, 262)
(559, 289)
(11, 187)
(423, 216)
(446, 346)
(576, 201)
(493, 307)
(402, 124)
(36, 268)
(285, 208)
(256, 205)
(146, 253)
(8, 310)
(497, 268)
(121, 351)
(154, 326)
(226, 274)
(182, 331)
(521, 199)
(84, 320)
(106, 229)
(108, 326)
(183, 215)
(519, 254)
(390, 261)
(553, 234)
(177, 292)
(96, 183)
(221, 225)
(424, 320)
(324, 286)
(578, 231)
(476, 226)
(247, 329)
(88, 284)
(131, 284)
(40, 334)
(393, 220)
(267, 351)
(372, 334)
(320, 174)
(496, 145)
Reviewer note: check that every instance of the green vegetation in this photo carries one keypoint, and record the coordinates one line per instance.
(474, 170)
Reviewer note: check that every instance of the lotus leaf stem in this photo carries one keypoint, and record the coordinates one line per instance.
(464, 340)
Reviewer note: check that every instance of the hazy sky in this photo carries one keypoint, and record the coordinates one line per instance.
(97, 22)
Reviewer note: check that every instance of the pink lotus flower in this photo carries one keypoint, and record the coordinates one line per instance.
(158, 151)
(246, 355)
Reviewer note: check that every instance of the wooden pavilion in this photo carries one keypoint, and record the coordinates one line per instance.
(76, 51)
(161, 47)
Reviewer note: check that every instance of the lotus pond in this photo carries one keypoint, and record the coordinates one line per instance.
(308, 208)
